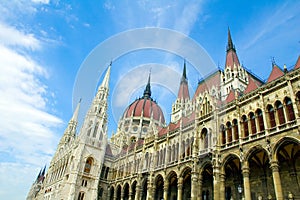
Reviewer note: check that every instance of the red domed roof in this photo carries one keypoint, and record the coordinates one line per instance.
(145, 107)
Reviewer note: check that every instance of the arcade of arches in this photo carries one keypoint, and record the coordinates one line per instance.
(260, 172)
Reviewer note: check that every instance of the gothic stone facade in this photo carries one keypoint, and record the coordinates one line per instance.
(236, 138)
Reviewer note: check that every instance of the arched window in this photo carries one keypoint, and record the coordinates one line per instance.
(260, 120)
(170, 154)
(188, 148)
(280, 113)
(146, 160)
(88, 165)
(96, 129)
(245, 125)
(271, 116)
(89, 128)
(298, 100)
(177, 152)
(223, 134)
(81, 196)
(183, 149)
(173, 152)
(289, 109)
(252, 122)
(204, 137)
(229, 132)
(235, 129)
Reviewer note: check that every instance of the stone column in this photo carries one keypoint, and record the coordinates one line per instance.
(138, 192)
(276, 179)
(246, 172)
(130, 193)
(216, 174)
(222, 186)
(166, 188)
(194, 189)
(179, 187)
(122, 194)
(199, 193)
(153, 191)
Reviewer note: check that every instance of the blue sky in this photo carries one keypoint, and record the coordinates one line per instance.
(43, 43)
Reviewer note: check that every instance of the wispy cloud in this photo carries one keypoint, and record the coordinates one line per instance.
(27, 127)
(180, 15)
(273, 20)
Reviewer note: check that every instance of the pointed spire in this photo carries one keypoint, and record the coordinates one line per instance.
(38, 176)
(183, 92)
(44, 171)
(75, 114)
(230, 45)
(105, 81)
(231, 57)
(147, 91)
(183, 78)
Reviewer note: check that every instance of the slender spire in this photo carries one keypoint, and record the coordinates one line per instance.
(183, 78)
(183, 92)
(105, 81)
(231, 56)
(75, 114)
(230, 45)
(147, 91)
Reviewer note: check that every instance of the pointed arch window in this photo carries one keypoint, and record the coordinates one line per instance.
(245, 126)
(81, 196)
(223, 134)
(280, 112)
(260, 120)
(183, 149)
(95, 129)
(188, 148)
(204, 136)
(229, 132)
(177, 152)
(289, 109)
(235, 129)
(271, 116)
(252, 122)
(88, 165)
(89, 128)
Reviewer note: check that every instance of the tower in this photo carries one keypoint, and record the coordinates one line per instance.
(234, 77)
(179, 107)
(88, 156)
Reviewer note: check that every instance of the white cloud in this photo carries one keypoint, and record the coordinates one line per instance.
(41, 1)
(13, 37)
(27, 128)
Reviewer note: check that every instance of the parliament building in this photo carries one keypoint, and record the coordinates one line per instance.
(236, 137)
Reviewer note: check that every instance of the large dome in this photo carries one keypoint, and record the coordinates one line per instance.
(145, 107)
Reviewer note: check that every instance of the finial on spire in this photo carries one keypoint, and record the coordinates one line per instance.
(183, 78)
(147, 91)
(273, 61)
(230, 45)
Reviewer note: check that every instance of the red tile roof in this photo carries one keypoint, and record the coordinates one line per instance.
(276, 73)
(209, 82)
(230, 97)
(251, 86)
(232, 59)
(183, 92)
(163, 131)
(297, 65)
